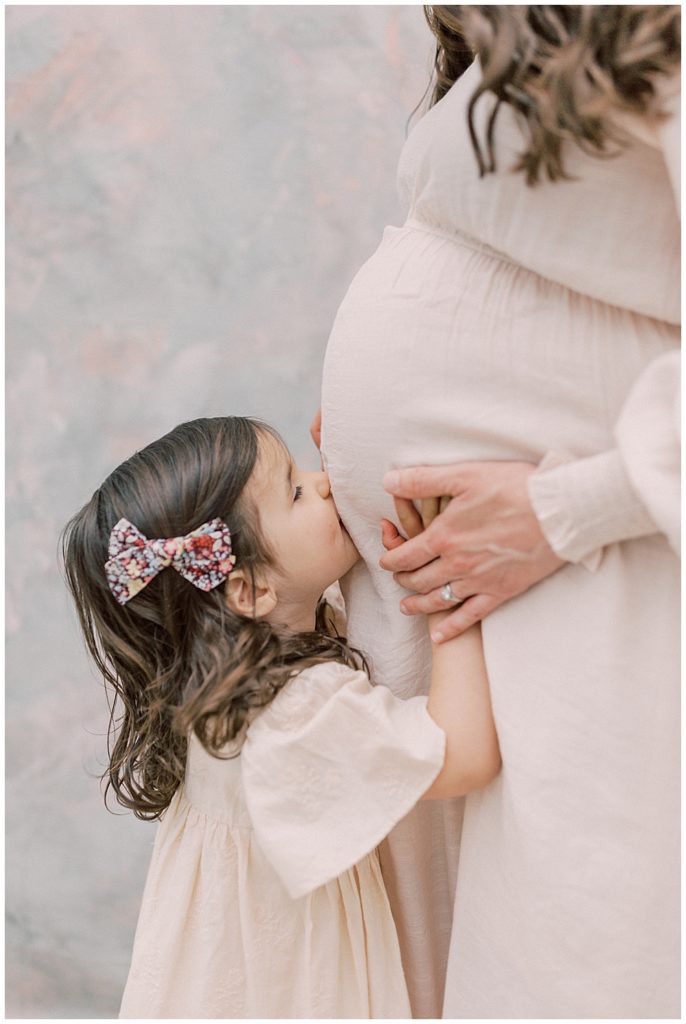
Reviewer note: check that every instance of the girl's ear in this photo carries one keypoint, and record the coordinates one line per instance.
(244, 598)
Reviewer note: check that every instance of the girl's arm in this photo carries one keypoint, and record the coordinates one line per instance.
(460, 703)
(459, 699)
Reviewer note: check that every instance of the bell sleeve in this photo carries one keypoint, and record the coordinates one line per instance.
(633, 489)
(330, 767)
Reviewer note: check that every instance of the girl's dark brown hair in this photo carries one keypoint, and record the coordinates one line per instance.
(563, 69)
(177, 658)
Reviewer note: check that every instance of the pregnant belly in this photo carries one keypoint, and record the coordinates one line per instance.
(442, 352)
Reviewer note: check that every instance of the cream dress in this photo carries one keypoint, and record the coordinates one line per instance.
(264, 896)
(541, 324)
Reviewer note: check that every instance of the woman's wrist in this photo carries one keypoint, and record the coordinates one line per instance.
(584, 504)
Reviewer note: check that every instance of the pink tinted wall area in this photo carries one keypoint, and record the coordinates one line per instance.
(190, 191)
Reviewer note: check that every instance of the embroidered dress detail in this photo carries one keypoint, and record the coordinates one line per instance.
(203, 557)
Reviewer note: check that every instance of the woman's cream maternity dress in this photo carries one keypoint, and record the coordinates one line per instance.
(506, 322)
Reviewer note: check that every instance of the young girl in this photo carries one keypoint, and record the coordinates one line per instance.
(252, 729)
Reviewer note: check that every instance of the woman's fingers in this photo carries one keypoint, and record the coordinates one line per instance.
(434, 574)
(415, 553)
(486, 535)
(425, 604)
(473, 610)
(426, 481)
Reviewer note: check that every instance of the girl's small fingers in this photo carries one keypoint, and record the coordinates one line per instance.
(409, 517)
(390, 538)
(428, 508)
(463, 618)
(387, 532)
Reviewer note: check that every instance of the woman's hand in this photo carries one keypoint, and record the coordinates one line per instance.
(486, 543)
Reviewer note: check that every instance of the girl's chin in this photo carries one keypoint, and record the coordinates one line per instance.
(348, 539)
(354, 557)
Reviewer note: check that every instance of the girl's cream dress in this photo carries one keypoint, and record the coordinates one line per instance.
(264, 896)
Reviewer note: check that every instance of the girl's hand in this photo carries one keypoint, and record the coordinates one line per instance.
(487, 543)
(390, 537)
(409, 519)
(316, 428)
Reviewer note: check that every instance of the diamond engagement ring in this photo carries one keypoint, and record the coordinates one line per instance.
(448, 596)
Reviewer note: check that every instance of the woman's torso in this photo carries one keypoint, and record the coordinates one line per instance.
(499, 322)
(502, 322)
(609, 231)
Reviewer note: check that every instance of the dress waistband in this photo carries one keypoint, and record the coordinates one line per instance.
(459, 238)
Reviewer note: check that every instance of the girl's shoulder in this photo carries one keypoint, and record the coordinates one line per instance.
(330, 767)
(308, 693)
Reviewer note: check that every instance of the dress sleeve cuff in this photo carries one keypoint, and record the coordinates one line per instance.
(584, 504)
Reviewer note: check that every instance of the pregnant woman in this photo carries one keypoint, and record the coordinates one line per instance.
(527, 312)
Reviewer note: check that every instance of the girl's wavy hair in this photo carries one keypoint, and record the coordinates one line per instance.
(175, 658)
(563, 69)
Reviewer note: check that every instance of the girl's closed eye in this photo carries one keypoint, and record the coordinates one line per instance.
(298, 492)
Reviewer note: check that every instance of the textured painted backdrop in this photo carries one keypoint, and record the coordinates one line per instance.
(190, 191)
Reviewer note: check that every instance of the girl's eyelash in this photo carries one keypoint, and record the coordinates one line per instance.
(298, 493)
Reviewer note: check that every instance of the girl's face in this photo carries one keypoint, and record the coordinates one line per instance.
(300, 521)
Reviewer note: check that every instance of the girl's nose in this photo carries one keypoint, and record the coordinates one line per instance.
(322, 484)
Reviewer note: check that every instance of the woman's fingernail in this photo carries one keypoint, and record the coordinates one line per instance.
(391, 480)
(404, 610)
(437, 638)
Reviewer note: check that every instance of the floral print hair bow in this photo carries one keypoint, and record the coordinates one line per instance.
(203, 557)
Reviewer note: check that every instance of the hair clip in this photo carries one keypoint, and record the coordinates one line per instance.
(203, 557)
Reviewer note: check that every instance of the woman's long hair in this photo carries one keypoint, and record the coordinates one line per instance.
(563, 69)
(176, 658)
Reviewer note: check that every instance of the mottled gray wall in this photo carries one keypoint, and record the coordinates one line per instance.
(190, 191)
